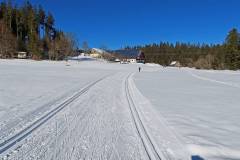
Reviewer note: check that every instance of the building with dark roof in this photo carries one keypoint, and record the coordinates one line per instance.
(141, 57)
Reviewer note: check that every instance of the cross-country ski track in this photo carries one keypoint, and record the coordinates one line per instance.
(150, 148)
(13, 141)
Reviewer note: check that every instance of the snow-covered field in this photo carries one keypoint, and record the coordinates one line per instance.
(201, 107)
(100, 110)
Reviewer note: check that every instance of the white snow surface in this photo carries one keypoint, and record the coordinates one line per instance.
(201, 107)
(178, 113)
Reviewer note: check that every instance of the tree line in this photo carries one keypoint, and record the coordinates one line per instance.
(31, 29)
(202, 56)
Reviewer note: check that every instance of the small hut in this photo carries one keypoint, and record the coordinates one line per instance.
(175, 64)
(21, 55)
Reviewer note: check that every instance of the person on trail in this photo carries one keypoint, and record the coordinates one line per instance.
(139, 69)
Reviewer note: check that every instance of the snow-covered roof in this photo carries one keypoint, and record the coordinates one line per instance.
(173, 62)
(22, 52)
(98, 50)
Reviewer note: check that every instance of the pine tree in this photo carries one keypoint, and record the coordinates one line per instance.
(85, 46)
(49, 25)
(33, 29)
(42, 18)
(232, 47)
(8, 43)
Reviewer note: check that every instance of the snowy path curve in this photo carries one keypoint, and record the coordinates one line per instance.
(14, 140)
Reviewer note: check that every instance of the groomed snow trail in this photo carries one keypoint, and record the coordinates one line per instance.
(152, 152)
(96, 125)
(15, 141)
(30, 89)
(162, 141)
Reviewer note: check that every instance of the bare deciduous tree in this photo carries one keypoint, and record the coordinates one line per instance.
(85, 46)
(8, 43)
(64, 45)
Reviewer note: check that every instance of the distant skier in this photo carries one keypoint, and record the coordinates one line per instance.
(139, 69)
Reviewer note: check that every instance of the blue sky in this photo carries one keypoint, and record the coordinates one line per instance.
(117, 23)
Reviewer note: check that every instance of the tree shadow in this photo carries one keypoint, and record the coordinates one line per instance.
(195, 157)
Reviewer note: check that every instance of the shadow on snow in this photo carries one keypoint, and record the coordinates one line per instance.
(195, 157)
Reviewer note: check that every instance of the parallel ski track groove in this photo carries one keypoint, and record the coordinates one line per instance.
(10, 142)
(140, 126)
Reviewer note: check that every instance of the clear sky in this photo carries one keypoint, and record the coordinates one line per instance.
(116, 23)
